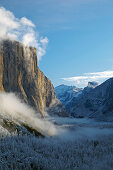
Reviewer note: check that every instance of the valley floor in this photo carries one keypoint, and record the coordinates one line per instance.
(81, 144)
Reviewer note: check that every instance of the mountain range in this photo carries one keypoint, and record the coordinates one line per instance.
(94, 101)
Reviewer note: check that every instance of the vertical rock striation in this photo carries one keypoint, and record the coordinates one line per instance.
(19, 73)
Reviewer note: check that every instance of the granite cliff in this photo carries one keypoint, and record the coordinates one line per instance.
(19, 73)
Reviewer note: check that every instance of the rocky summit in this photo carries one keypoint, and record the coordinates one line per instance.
(20, 74)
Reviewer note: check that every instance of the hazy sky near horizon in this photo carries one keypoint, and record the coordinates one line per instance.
(80, 37)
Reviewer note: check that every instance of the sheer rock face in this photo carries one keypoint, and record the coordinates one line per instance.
(19, 73)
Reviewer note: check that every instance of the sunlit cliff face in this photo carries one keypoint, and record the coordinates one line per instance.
(19, 73)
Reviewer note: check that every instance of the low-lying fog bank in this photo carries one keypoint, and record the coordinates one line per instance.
(13, 109)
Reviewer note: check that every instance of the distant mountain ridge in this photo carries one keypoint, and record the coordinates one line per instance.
(95, 101)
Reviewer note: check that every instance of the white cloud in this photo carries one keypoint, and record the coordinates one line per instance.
(103, 74)
(30, 39)
(96, 76)
(27, 22)
(42, 47)
(44, 41)
(7, 23)
(22, 30)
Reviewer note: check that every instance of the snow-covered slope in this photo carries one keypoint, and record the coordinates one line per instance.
(66, 93)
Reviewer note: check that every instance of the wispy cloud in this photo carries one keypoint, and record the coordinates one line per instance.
(22, 30)
(86, 77)
(27, 22)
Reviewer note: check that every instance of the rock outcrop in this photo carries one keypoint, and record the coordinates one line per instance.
(19, 73)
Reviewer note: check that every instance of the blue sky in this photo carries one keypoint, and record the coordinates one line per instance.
(80, 34)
